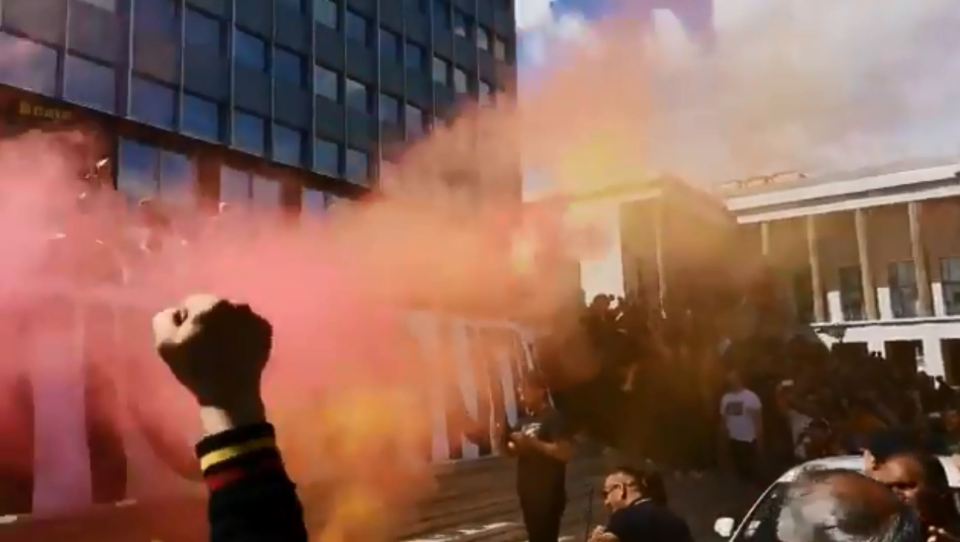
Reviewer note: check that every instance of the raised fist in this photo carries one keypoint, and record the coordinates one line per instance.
(217, 349)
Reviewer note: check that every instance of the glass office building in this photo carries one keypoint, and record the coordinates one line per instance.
(252, 101)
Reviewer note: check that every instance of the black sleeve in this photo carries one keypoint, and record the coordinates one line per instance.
(251, 497)
(559, 429)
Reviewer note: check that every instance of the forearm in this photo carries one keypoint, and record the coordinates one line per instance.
(562, 452)
(251, 497)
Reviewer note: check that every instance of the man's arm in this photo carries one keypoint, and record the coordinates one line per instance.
(217, 350)
(561, 450)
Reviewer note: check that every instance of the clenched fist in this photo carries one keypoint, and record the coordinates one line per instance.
(217, 350)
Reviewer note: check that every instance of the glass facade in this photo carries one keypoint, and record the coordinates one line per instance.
(90, 83)
(148, 172)
(225, 76)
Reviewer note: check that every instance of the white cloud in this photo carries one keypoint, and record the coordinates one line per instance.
(532, 13)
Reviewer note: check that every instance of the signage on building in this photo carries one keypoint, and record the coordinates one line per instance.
(33, 110)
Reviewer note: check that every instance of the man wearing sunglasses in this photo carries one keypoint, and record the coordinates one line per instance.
(638, 510)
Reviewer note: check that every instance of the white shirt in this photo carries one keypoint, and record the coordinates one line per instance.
(737, 409)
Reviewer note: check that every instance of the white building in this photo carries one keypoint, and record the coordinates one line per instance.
(870, 258)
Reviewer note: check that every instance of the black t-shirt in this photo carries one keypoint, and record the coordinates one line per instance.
(537, 472)
(648, 522)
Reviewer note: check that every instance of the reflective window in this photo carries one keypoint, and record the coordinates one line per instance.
(413, 122)
(358, 98)
(203, 30)
(248, 133)
(90, 83)
(325, 12)
(296, 5)
(39, 75)
(326, 157)
(289, 66)
(201, 117)
(460, 81)
(499, 49)
(287, 145)
(358, 166)
(312, 202)
(157, 17)
(851, 293)
(251, 51)
(152, 102)
(441, 14)
(326, 83)
(358, 28)
(151, 172)
(109, 5)
(903, 289)
(486, 93)
(389, 109)
(950, 280)
(441, 71)
(483, 38)
(462, 23)
(415, 57)
(389, 46)
(246, 189)
(267, 193)
(415, 6)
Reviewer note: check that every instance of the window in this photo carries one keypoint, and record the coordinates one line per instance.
(89, 83)
(389, 109)
(38, 75)
(358, 98)
(389, 46)
(287, 145)
(251, 51)
(152, 102)
(358, 28)
(248, 133)
(358, 166)
(415, 57)
(950, 281)
(461, 24)
(326, 157)
(325, 11)
(441, 71)
(203, 31)
(246, 189)
(326, 82)
(312, 202)
(460, 81)
(499, 49)
(483, 38)
(151, 172)
(289, 66)
(413, 121)
(157, 17)
(415, 6)
(109, 5)
(296, 5)
(201, 117)
(903, 289)
(851, 293)
(441, 14)
(486, 93)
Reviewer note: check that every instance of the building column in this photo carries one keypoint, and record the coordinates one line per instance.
(765, 239)
(819, 308)
(921, 273)
(866, 268)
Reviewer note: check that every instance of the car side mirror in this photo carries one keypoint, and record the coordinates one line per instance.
(724, 527)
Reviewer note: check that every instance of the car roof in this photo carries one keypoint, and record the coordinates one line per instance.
(855, 463)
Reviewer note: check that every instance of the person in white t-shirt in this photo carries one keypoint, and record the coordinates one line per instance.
(742, 414)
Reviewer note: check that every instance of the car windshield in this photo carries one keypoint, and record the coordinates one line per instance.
(761, 524)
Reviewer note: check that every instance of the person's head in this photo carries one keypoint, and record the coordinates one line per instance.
(534, 392)
(883, 445)
(626, 485)
(951, 420)
(844, 506)
(734, 380)
(920, 481)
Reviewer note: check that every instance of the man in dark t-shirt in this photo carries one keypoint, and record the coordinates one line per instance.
(638, 510)
(542, 445)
